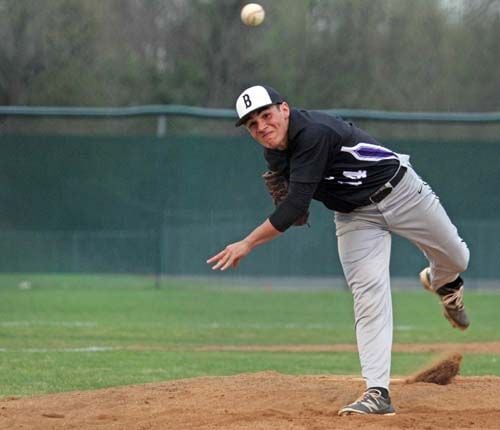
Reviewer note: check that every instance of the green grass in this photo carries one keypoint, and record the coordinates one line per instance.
(141, 334)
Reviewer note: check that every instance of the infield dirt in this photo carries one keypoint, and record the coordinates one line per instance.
(264, 400)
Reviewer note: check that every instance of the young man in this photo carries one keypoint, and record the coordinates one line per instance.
(374, 192)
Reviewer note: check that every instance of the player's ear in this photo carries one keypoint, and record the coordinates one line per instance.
(285, 109)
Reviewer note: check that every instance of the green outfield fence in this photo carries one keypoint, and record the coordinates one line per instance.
(158, 189)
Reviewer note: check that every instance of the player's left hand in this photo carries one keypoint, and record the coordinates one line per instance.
(230, 256)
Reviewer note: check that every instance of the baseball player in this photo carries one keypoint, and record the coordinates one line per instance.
(373, 192)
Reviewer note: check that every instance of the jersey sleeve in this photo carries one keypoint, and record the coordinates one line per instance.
(294, 206)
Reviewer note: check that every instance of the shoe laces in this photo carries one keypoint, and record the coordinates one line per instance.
(369, 396)
(454, 300)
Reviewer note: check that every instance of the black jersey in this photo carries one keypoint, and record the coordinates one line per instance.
(342, 163)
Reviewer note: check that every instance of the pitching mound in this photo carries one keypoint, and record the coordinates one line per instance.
(266, 400)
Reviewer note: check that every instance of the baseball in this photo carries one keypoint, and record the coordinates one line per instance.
(252, 14)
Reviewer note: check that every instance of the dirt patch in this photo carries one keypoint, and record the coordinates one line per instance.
(265, 400)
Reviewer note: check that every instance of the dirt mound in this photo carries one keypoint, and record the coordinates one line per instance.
(265, 400)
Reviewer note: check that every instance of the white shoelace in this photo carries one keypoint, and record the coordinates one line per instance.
(370, 399)
(454, 300)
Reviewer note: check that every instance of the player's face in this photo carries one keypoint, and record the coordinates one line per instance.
(269, 127)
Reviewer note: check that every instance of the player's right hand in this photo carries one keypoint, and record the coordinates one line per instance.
(230, 256)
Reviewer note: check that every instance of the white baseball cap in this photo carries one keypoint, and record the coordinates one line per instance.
(253, 98)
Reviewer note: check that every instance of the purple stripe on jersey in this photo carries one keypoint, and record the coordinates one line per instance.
(369, 152)
(373, 152)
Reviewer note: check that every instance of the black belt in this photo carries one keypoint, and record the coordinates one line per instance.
(386, 189)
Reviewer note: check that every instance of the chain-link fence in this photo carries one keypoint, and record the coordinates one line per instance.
(149, 204)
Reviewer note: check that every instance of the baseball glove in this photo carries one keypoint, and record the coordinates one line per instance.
(277, 186)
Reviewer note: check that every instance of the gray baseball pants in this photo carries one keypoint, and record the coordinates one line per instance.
(413, 211)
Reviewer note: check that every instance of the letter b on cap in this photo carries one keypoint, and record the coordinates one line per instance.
(247, 101)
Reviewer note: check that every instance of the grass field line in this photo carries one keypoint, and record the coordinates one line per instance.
(82, 349)
(30, 323)
(483, 348)
(200, 325)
